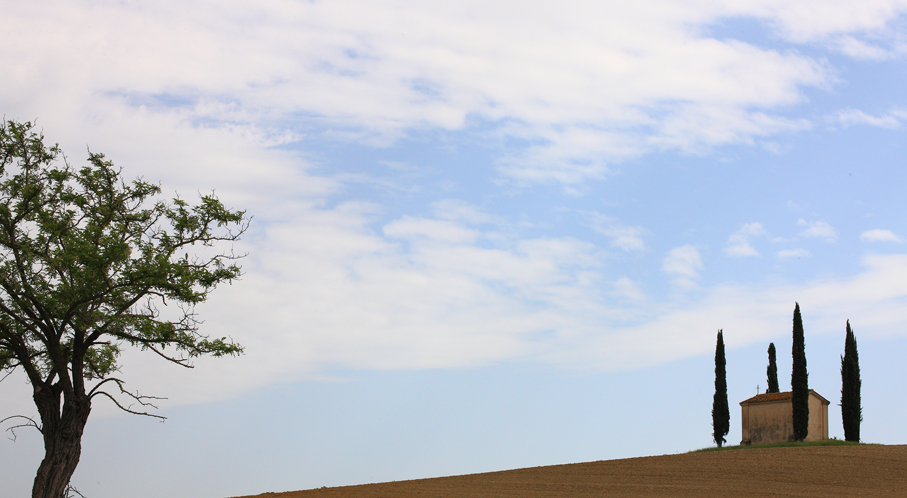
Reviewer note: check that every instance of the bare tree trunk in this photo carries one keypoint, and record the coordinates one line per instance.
(62, 439)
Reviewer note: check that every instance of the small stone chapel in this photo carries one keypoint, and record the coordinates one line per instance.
(768, 418)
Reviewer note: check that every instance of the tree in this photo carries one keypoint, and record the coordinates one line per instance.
(799, 380)
(88, 263)
(772, 370)
(851, 411)
(721, 415)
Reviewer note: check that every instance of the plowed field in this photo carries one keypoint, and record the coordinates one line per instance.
(829, 471)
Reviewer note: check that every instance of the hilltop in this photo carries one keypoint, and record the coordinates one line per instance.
(804, 471)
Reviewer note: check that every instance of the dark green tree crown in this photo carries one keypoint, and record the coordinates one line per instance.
(721, 416)
(88, 262)
(851, 407)
(799, 379)
(772, 370)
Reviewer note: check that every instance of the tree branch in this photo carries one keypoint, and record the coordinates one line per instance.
(70, 489)
(183, 362)
(140, 399)
(31, 423)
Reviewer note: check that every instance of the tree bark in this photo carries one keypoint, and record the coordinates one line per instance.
(62, 430)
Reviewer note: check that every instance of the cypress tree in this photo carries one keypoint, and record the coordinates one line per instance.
(851, 411)
(772, 370)
(721, 415)
(799, 380)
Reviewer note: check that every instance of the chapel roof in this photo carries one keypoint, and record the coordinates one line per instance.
(769, 397)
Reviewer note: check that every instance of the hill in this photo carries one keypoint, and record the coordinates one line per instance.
(809, 471)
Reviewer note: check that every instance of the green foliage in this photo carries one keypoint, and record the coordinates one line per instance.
(772, 370)
(89, 265)
(851, 409)
(721, 416)
(87, 261)
(799, 380)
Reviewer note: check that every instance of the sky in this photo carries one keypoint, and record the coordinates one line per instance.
(484, 235)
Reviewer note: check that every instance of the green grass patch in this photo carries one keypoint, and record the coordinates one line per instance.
(824, 442)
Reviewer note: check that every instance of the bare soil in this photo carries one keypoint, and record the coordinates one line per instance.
(829, 471)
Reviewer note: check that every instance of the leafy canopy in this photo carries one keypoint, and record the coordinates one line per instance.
(721, 415)
(88, 262)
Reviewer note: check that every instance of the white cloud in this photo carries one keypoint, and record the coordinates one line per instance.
(860, 49)
(740, 249)
(879, 235)
(433, 230)
(793, 206)
(460, 210)
(324, 290)
(198, 95)
(833, 21)
(683, 263)
(697, 128)
(352, 313)
(755, 314)
(738, 244)
(625, 288)
(622, 237)
(585, 84)
(891, 120)
(793, 253)
(818, 229)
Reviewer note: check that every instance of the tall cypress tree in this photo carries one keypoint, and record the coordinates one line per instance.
(721, 415)
(772, 370)
(851, 411)
(799, 380)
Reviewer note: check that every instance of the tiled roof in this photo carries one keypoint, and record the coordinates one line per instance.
(765, 398)
(769, 397)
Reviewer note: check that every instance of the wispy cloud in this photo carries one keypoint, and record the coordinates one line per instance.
(425, 316)
(683, 264)
(879, 235)
(862, 49)
(738, 244)
(583, 85)
(199, 96)
(840, 25)
(852, 117)
(818, 229)
(625, 288)
(623, 237)
(460, 210)
(437, 291)
(793, 253)
(432, 230)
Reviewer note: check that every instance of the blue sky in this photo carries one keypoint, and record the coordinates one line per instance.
(485, 236)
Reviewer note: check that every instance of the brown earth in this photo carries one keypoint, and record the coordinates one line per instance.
(828, 471)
